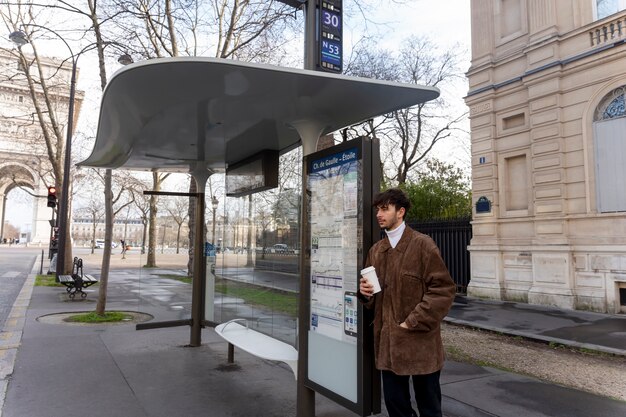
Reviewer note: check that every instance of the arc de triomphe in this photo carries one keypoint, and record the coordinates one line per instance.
(24, 160)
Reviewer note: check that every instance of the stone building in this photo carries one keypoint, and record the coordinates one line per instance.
(23, 155)
(84, 228)
(547, 87)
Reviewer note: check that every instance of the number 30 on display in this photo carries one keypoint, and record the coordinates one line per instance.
(330, 19)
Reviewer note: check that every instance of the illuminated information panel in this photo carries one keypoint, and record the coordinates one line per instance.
(331, 34)
(334, 243)
(339, 349)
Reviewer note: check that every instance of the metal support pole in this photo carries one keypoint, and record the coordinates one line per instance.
(231, 353)
(199, 269)
(310, 35)
(305, 396)
(52, 226)
(309, 133)
(65, 186)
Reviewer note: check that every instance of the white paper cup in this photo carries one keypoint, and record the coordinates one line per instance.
(370, 274)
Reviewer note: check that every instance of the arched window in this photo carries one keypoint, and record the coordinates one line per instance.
(609, 128)
(606, 8)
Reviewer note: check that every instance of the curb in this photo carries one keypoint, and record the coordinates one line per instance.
(536, 337)
(11, 335)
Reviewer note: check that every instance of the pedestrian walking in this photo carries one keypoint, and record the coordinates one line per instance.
(417, 292)
(123, 243)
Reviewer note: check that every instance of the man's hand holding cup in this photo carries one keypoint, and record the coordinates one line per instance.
(365, 287)
(369, 285)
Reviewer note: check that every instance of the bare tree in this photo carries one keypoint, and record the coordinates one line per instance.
(47, 92)
(142, 204)
(157, 182)
(410, 134)
(94, 210)
(193, 189)
(242, 29)
(179, 210)
(249, 262)
(264, 220)
(10, 232)
(25, 16)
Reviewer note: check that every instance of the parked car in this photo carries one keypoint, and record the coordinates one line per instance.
(280, 248)
(100, 244)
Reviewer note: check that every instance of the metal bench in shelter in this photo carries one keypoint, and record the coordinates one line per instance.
(257, 343)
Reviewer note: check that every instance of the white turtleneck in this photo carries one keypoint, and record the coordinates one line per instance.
(395, 234)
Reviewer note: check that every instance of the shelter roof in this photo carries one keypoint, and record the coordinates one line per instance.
(179, 114)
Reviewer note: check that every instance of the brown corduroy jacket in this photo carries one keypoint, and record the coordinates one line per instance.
(416, 289)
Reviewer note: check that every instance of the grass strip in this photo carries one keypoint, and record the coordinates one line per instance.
(182, 278)
(46, 281)
(93, 317)
(276, 300)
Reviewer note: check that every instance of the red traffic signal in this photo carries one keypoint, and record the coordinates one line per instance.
(52, 197)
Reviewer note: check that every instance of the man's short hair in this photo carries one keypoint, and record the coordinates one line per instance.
(395, 197)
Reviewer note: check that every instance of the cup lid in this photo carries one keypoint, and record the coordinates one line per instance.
(368, 269)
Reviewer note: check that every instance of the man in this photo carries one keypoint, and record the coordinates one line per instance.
(417, 292)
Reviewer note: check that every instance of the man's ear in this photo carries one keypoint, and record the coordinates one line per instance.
(402, 212)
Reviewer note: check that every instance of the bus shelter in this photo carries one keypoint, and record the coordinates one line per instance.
(203, 115)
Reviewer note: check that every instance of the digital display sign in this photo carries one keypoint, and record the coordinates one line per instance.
(331, 32)
(252, 175)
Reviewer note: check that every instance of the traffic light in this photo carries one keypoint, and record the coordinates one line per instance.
(52, 197)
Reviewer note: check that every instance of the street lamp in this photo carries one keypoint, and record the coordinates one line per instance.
(125, 59)
(214, 203)
(20, 39)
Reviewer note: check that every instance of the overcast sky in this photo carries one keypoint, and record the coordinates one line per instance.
(445, 22)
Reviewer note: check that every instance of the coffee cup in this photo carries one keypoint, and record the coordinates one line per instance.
(370, 274)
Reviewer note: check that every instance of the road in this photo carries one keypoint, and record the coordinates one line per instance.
(16, 263)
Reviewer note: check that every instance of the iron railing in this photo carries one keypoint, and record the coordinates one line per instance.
(452, 237)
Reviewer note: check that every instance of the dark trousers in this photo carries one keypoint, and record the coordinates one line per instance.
(398, 397)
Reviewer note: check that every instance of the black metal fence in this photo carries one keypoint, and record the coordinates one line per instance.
(453, 237)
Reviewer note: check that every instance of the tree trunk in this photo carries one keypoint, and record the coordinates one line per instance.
(69, 260)
(108, 233)
(93, 235)
(143, 237)
(249, 243)
(192, 224)
(152, 232)
(178, 239)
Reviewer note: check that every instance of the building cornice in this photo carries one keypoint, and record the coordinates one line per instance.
(558, 63)
(601, 36)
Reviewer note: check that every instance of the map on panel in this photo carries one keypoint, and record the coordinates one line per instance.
(334, 242)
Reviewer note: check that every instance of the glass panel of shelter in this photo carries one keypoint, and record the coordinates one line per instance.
(161, 273)
(255, 270)
(257, 267)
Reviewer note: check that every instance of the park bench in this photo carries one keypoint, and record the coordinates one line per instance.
(77, 281)
(257, 343)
